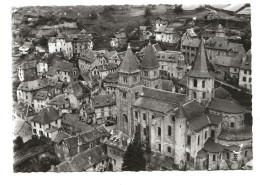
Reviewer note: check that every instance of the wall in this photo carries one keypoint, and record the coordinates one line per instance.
(26, 96)
(248, 81)
(116, 157)
(40, 104)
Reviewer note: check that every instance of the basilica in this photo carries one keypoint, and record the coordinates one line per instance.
(202, 129)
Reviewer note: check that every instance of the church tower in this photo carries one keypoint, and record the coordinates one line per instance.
(200, 82)
(128, 91)
(150, 76)
(180, 136)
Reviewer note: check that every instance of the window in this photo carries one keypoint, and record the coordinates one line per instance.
(244, 79)
(34, 124)
(136, 95)
(26, 97)
(250, 79)
(136, 115)
(203, 84)
(125, 119)
(41, 133)
(145, 73)
(198, 140)
(159, 147)
(245, 72)
(246, 153)
(206, 134)
(154, 73)
(194, 83)
(188, 140)
(169, 130)
(235, 157)
(153, 116)
(144, 130)
(214, 157)
(124, 94)
(40, 125)
(194, 95)
(135, 78)
(188, 156)
(227, 156)
(173, 118)
(125, 79)
(203, 95)
(159, 131)
(169, 149)
(232, 124)
(144, 116)
(249, 72)
(213, 133)
(34, 131)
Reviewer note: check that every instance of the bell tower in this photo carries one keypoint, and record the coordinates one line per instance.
(200, 82)
(128, 91)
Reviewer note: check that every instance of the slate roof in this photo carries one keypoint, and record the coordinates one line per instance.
(192, 109)
(212, 147)
(150, 59)
(28, 65)
(22, 128)
(119, 140)
(167, 85)
(34, 85)
(112, 77)
(88, 55)
(169, 56)
(227, 61)
(78, 126)
(191, 43)
(200, 68)
(180, 112)
(191, 33)
(41, 95)
(236, 135)
(246, 61)
(46, 116)
(226, 106)
(107, 67)
(61, 65)
(24, 109)
(61, 136)
(130, 63)
(234, 7)
(202, 154)
(103, 100)
(83, 160)
(60, 99)
(245, 11)
(221, 93)
(78, 89)
(205, 120)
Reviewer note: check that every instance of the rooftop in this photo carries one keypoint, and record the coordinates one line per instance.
(150, 59)
(103, 100)
(212, 147)
(46, 116)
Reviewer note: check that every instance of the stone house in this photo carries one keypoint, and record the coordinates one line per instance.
(85, 59)
(27, 71)
(189, 49)
(110, 82)
(23, 111)
(46, 123)
(42, 68)
(161, 22)
(245, 73)
(40, 100)
(166, 35)
(87, 113)
(104, 69)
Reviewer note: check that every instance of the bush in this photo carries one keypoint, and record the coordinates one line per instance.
(18, 143)
(147, 12)
(178, 9)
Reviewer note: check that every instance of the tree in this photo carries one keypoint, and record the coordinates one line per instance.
(18, 143)
(147, 12)
(178, 9)
(134, 157)
(43, 41)
(93, 15)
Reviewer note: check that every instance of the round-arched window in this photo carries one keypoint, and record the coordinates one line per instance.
(173, 118)
(232, 124)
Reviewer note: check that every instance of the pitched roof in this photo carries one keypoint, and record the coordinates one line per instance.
(61, 136)
(46, 116)
(180, 112)
(83, 160)
(88, 55)
(167, 85)
(28, 65)
(227, 61)
(212, 147)
(34, 85)
(24, 109)
(221, 93)
(192, 109)
(130, 63)
(234, 7)
(61, 65)
(41, 95)
(60, 99)
(245, 11)
(200, 68)
(112, 77)
(226, 106)
(191, 32)
(150, 59)
(107, 67)
(78, 89)
(119, 140)
(103, 100)
(205, 120)
(191, 43)
(246, 61)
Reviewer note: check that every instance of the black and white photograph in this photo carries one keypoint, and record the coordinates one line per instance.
(132, 88)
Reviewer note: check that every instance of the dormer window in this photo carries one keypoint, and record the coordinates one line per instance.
(124, 79)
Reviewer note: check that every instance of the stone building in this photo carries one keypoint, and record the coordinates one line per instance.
(245, 73)
(27, 71)
(161, 22)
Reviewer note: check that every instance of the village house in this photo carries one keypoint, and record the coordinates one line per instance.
(23, 111)
(166, 35)
(110, 82)
(92, 160)
(172, 62)
(40, 100)
(61, 43)
(161, 22)
(26, 48)
(80, 43)
(219, 46)
(121, 38)
(227, 68)
(105, 108)
(116, 149)
(113, 57)
(189, 49)
(245, 73)
(26, 90)
(67, 146)
(27, 71)
(22, 129)
(46, 123)
(144, 34)
(104, 69)
(42, 68)
(189, 35)
(62, 70)
(114, 43)
(85, 59)
(64, 103)
(87, 113)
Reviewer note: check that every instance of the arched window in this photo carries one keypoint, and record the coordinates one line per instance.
(169, 149)
(232, 124)
(173, 118)
(195, 83)
(188, 140)
(153, 116)
(159, 131)
(125, 119)
(144, 116)
(203, 84)
(169, 130)
(194, 95)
